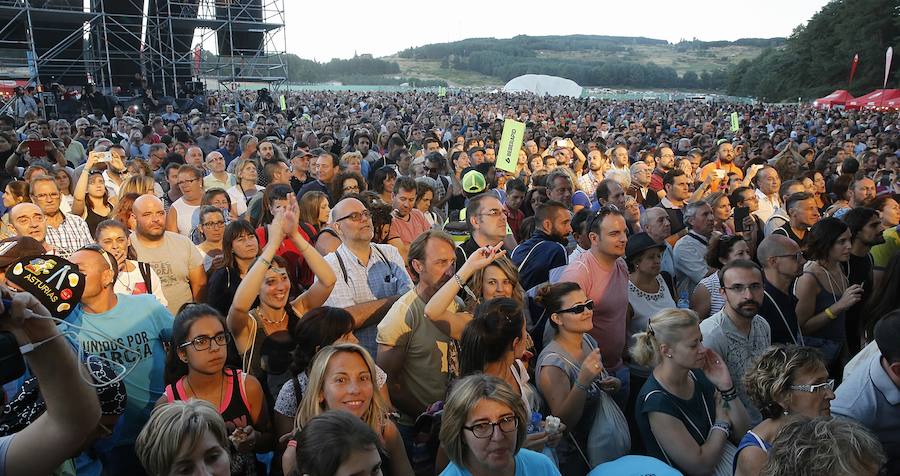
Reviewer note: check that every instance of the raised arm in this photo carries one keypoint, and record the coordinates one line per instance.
(73, 410)
(78, 206)
(318, 293)
(453, 323)
(248, 290)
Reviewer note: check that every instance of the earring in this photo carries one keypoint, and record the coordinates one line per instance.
(669, 355)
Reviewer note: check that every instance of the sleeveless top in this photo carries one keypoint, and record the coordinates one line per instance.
(750, 439)
(269, 356)
(716, 301)
(93, 219)
(185, 216)
(834, 330)
(234, 408)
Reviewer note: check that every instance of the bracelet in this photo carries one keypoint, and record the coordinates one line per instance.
(581, 387)
(728, 395)
(266, 262)
(829, 313)
(721, 428)
(465, 288)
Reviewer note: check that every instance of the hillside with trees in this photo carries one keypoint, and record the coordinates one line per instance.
(816, 58)
(590, 60)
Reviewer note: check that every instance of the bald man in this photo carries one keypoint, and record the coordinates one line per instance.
(131, 332)
(370, 276)
(174, 258)
(28, 220)
(782, 263)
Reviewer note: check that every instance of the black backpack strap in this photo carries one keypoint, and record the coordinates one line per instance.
(337, 254)
(145, 273)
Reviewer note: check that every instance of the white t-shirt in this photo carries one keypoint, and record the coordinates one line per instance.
(132, 282)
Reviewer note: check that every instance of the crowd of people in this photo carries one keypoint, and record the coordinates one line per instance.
(352, 286)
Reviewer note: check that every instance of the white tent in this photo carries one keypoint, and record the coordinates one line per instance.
(541, 84)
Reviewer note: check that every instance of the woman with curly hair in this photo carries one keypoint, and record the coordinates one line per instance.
(786, 381)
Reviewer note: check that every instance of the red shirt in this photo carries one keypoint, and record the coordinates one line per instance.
(514, 219)
(298, 271)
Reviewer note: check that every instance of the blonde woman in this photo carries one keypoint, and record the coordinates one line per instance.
(139, 184)
(351, 161)
(342, 377)
(688, 412)
(184, 436)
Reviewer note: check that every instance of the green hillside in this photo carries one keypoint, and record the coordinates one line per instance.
(590, 60)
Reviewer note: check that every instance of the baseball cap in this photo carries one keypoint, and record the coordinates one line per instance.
(475, 149)
(473, 182)
(17, 247)
(638, 243)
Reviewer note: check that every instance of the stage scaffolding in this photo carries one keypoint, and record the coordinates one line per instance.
(166, 41)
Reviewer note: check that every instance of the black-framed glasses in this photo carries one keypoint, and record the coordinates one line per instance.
(740, 288)
(357, 216)
(578, 309)
(352, 188)
(829, 384)
(201, 343)
(215, 225)
(797, 256)
(507, 424)
(188, 181)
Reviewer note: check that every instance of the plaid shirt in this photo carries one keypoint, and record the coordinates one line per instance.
(70, 236)
(383, 276)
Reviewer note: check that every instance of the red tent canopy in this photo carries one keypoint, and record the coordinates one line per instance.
(876, 98)
(837, 98)
(892, 103)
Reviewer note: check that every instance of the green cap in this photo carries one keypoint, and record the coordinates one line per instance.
(473, 182)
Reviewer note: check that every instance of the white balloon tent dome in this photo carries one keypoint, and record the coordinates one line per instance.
(541, 85)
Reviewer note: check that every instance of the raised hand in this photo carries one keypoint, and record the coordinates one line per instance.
(591, 367)
(716, 370)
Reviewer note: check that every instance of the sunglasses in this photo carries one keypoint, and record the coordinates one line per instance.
(589, 305)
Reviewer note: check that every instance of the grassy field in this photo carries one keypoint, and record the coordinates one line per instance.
(432, 70)
(682, 61)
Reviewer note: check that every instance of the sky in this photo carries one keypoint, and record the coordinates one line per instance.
(385, 28)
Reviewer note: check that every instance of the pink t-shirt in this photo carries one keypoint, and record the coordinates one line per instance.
(408, 230)
(609, 291)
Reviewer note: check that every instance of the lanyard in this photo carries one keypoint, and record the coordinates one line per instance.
(784, 319)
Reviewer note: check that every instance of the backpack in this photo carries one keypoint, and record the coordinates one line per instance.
(144, 268)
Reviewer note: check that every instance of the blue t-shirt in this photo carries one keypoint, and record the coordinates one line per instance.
(140, 323)
(528, 463)
(635, 465)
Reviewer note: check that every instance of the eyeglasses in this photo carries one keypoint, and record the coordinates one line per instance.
(188, 181)
(45, 196)
(485, 430)
(352, 188)
(357, 216)
(740, 288)
(106, 256)
(589, 305)
(829, 384)
(797, 256)
(215, 225)
(201, 343)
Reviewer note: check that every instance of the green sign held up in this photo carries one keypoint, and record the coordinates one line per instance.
(510, 143)
(734, 122)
